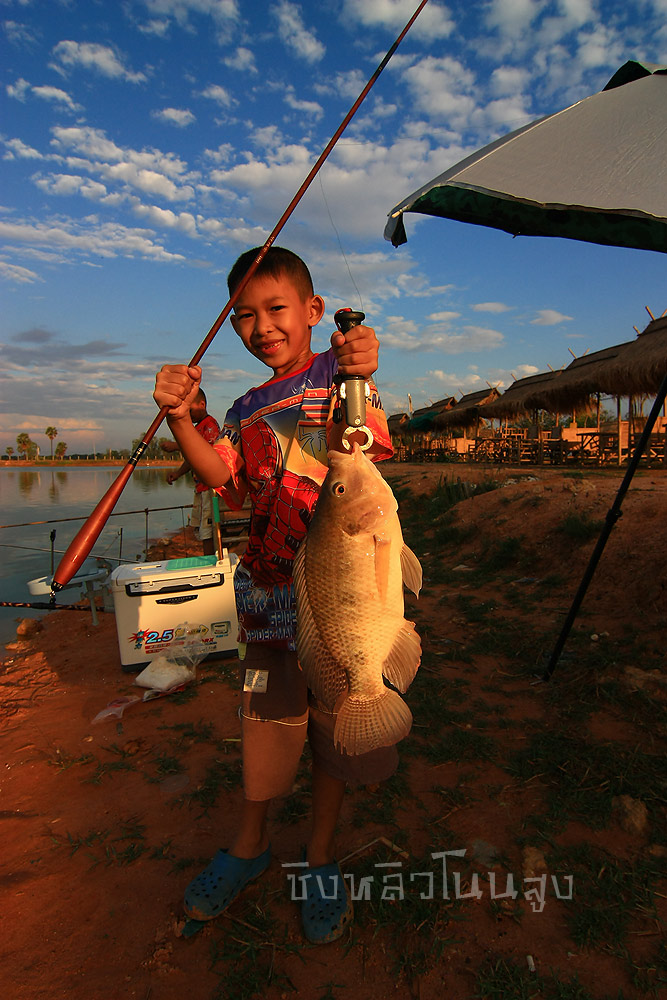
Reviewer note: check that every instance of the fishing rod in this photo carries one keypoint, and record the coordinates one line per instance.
(87, 535)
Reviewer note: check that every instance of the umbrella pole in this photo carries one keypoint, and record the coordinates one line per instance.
(613, 515)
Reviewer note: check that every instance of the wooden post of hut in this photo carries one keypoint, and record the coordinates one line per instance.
(618, 429)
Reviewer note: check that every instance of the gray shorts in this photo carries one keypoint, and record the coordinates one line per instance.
(277, 714)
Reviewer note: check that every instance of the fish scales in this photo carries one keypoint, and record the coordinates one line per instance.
(351, 633)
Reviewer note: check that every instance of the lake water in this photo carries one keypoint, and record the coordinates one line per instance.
(34, 494)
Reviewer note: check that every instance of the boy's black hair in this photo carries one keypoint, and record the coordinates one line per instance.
(201, 395)
(278, 262)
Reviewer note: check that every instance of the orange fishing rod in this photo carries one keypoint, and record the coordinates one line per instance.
(82, 543)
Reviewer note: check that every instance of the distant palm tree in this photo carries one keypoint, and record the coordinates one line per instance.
(10, 451)
(61, 448)
(51, 433)
(23, 443)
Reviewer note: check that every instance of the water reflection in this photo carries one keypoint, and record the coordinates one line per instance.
(28, 479)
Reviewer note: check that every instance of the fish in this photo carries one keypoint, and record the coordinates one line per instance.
(352, 635)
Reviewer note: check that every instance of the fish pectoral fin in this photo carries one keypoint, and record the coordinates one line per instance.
(404, 657)
(365, 724)
(411, 570)
(382, 559)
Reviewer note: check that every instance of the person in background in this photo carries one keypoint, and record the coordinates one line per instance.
(201, 517)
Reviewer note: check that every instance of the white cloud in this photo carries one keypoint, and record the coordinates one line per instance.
(87, 238)
(549, 317)
(242, 60)
(158, 27)
(303, 107)
(180, 117)
(56, 94)
(433, 22)
(17, 149)
(507, 81)
(442, 317)
(513, 17)
(69, 184)
(294, 34)
(148, 170)
(218, 94)
(102, 59)
(20, 90)
(17, 274)
(490, 307)
(223, 13)
(442, 87)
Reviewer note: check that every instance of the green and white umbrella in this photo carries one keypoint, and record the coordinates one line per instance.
(593, 172)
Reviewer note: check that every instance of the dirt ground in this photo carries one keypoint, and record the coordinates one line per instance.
(103, 825)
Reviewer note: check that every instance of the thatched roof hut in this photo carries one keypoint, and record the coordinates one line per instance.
(641, 366)
(583, 377)
(397, 423)
(519, 399)
(467, 410)
(424, 418)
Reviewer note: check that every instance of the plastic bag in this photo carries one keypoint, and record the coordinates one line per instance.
(178, 665)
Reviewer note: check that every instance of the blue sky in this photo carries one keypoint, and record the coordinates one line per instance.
(146, 143)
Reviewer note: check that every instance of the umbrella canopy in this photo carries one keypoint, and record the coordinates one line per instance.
(467, 410)
(592, 172)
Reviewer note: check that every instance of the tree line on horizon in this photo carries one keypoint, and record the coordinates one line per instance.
(28, 449)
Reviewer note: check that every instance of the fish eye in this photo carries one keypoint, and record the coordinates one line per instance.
(338, 489)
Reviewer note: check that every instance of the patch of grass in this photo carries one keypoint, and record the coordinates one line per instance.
(583, 776)
(459, 745)
(122, 763)
(502, 979)
(415, 931)
(62, 760)
(122, 849)
(221, 776)
(243, 955)
(580, 527)
(615, 893)
(187, 733)
(501, 555)
(379, 806)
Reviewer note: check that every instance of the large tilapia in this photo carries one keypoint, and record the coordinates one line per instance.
(349, 574)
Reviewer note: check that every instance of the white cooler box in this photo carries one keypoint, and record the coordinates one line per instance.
(151, 599)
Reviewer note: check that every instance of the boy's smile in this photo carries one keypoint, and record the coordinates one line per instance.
(274, 322)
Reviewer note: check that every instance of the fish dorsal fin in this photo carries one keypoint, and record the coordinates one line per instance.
(411, 570)
(382, 557)
(401, 665)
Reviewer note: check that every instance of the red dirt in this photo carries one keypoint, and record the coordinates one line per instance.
(100, 837)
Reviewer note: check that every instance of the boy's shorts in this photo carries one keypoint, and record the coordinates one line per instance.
(201, 515)
(277, 713)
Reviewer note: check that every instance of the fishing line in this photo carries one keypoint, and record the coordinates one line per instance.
(333, 226)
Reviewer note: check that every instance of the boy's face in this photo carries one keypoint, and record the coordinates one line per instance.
(274, 322)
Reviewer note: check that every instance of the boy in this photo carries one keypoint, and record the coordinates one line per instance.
(274, 444)
(201, 517)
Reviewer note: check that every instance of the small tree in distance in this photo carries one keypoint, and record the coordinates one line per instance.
(51, 433)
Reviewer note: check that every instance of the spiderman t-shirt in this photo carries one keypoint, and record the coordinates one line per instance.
(274, 442)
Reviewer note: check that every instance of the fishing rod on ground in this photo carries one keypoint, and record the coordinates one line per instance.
(87, 535)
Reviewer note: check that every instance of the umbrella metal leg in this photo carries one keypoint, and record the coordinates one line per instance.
(612, 517)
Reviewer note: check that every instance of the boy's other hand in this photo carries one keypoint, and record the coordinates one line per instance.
(176, 387)
(356, 351)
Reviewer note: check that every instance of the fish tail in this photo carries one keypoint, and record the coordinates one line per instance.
(364, 724)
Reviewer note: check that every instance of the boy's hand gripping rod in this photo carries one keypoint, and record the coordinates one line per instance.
(83, 541)
(352, 389)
